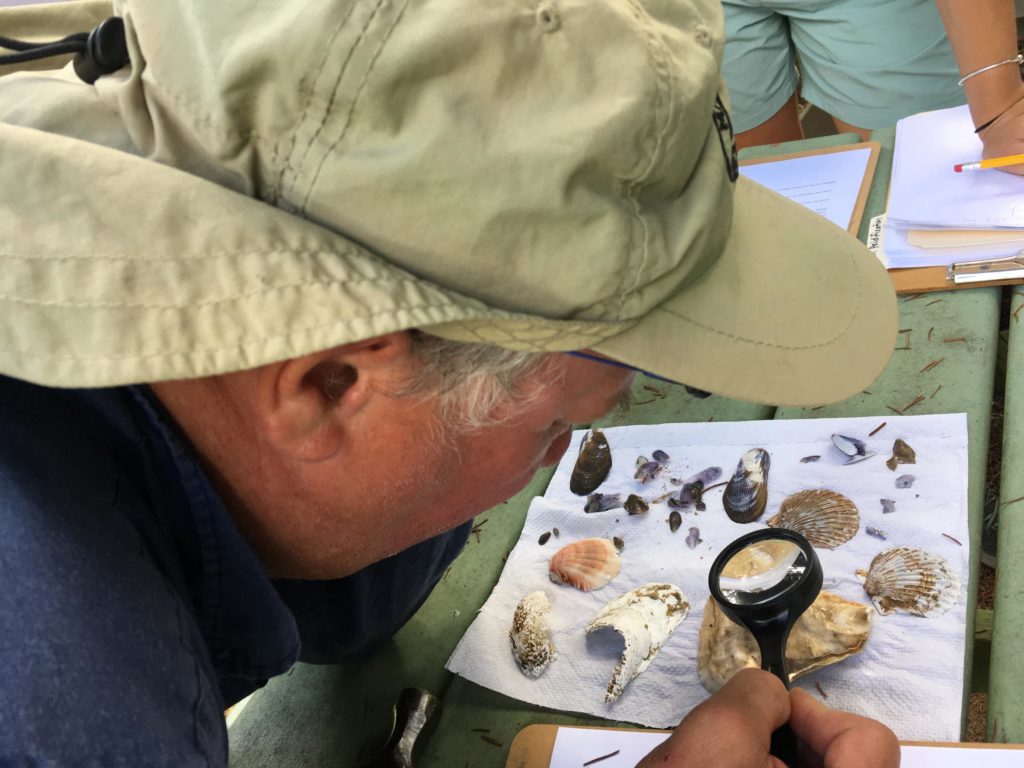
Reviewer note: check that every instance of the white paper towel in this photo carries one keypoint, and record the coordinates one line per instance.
(909, 676)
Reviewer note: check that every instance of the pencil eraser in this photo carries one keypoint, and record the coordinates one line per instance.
(958, 167)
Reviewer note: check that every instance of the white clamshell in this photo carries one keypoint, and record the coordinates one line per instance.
(530, 635)
(825, 518)
(911, 581)
(646, 618)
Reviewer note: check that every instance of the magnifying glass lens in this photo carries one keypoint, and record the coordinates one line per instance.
(762, 571)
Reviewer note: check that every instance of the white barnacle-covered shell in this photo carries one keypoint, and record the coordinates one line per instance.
(530, 634)
(585, 564)
(746, 493)
(646, 618)
(825, 518)
(830, 630)
(912, 581)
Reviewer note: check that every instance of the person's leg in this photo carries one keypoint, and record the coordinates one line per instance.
(843, 127)
(869, 63)
(757, 65)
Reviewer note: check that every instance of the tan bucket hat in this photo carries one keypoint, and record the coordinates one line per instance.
(554, 175)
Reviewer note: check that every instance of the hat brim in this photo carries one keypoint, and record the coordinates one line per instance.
(794, 312)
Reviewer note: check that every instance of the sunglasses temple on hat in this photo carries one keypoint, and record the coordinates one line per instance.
(608, 361)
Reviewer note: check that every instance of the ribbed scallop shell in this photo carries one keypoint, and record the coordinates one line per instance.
(825, 518)
(585, 564)
(912, 581)
(592, 465)
(747, 491)
(530, 634)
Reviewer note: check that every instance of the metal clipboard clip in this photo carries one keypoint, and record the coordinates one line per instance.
(987, 270)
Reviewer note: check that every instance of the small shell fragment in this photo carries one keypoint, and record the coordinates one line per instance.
(544, 538)
(693, 488)
(659, 455)
(602, 502)
(826, 518)
(888, 506)
(556, 532)
(647, 471)
(530, 635)
(619, 543)
(646, 618)
(809, 459)
(585, 564)
(854, 449)
(746, 494)
(911, 581)
(635, 505)
(674, 520)
(901, 454)
(693, 539)
(593, 463)
(905, 481)
(876, 532)
(831, 630)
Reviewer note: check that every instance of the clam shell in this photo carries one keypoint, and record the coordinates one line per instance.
(825, 518)
(646, 618)
(912, 581)
(747, 491)
(593, 463)
(831, 630)
(585, 564)
(530, 634)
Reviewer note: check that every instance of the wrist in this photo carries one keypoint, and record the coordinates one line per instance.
(992, 93)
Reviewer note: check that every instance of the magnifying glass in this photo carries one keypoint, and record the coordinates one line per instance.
(764, 581)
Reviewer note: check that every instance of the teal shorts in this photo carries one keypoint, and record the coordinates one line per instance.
(867, 62)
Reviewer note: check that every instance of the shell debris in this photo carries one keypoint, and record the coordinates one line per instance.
(586, 564)
(646, 618)
(901, 454)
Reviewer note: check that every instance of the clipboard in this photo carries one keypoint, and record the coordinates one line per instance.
(865, 183)
(533, 745)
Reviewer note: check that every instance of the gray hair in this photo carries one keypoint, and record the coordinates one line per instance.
(474, 380)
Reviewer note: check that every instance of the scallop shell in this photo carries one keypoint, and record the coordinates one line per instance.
(585, 564)
(646, 618)
(912, 581)
(747, 491)
(530, 635)
(592, 465)
(825, 518)
(830, 630)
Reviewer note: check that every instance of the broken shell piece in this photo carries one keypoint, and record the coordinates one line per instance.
(659, 455)
(619, 543)
(912, 581)
(905, 481)
(646, 618)
(674, 520)
(831, 630)
(544, 538)
(530, 635)
(693, 539)
(647, 471)
(876, 532)
(888, 506)
(636, 505)
(747, 491)
(602, 502)
(901, 454)
(826, 518)
(693, 488)
(592, 465)
(855, 450)
(585, 564)
(809, 459)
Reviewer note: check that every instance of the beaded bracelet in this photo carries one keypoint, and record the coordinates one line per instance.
(1018, 59)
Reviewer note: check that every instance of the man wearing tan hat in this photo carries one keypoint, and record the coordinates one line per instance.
(292, 293)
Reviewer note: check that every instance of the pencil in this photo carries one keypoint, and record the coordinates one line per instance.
(992, 162)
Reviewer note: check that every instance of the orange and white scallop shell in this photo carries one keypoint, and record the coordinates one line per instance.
(585, 564)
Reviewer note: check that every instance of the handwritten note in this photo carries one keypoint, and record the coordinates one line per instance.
(827, 184)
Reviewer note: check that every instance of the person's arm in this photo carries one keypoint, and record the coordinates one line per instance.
(733, 729)
(982, 33)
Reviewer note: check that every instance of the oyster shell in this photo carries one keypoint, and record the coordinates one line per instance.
(901, 454)
(825, 518)
(530, 634)
(831, 630)
(585, 564)
(912, 581)
(747, 491)
(593, 463)
(646, 618)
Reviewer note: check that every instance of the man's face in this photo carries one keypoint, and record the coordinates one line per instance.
(428, 485)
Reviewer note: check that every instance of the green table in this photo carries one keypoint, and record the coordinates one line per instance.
(339, 715)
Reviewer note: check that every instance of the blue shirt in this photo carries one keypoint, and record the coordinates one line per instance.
(132, 611)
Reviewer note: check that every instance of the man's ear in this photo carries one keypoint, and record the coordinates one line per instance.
(307, 403)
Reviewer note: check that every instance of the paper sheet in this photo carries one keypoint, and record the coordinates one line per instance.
(900, 254)
(575, 746)
(910, 675)
(926, 191)
(827, 184)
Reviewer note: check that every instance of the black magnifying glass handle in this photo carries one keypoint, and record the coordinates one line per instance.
(784, 745)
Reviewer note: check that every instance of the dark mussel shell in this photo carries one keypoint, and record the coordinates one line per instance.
(592, 465)
(602, 502)
(693, 487)
(746, 494)
(636, 505)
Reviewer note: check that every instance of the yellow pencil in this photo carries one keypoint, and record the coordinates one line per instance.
(992, 162)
